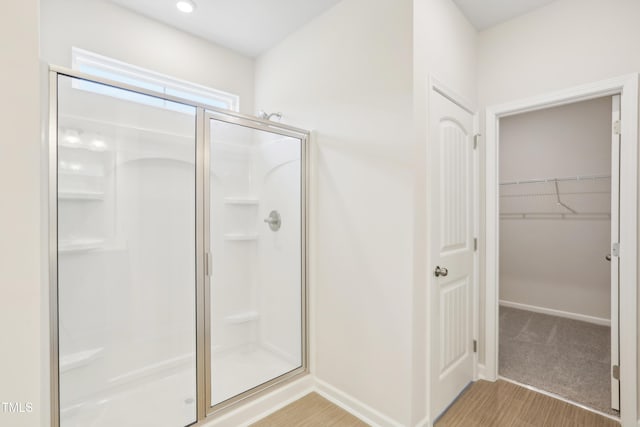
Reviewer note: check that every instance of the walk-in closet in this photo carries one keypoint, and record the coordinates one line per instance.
(558, 267)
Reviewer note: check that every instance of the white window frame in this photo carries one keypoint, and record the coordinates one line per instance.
(112, 69)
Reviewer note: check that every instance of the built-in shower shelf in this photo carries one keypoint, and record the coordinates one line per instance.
(83, 174)
(241, 237)
(241, 201)
(79, 359)
(248, 316)
(80, 195)
(80, 245)
(82, 146)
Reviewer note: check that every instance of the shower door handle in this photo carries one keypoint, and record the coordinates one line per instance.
(207, 264)
(441, 271)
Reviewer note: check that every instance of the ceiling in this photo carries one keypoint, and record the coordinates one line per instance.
(252, 27)
(487, 13)
(248, 26)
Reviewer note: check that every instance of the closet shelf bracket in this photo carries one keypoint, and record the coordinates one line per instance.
(559, 202)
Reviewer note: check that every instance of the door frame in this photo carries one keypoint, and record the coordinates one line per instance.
(435, 85)
(627, 87)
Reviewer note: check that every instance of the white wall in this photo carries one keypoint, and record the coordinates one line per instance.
(444, 47)
(347, 75)
(567, 43)
(105, 28)
(20, 304)
(554, 263)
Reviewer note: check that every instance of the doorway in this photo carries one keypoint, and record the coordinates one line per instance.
(558, 280)
(627, 88)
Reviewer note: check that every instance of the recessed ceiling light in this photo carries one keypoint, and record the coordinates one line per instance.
(186, 6)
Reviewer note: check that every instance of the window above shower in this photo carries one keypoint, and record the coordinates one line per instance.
(121, 72)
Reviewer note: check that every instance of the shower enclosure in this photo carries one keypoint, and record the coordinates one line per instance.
(177, 252)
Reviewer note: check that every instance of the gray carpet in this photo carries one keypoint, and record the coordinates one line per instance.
(563, 356)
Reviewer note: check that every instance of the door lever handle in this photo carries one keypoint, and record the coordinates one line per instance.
(274, 221)
(441, 271)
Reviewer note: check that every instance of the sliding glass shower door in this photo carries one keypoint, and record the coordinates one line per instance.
(256, 240)
(126, 251)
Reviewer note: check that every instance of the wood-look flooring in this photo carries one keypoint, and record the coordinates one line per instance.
(311, 411)
(501, 403)
(483, 404)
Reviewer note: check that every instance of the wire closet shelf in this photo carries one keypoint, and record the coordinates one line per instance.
(573, 197)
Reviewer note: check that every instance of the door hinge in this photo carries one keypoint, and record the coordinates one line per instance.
(475, 244)
(476, 137)
(475, 346)
(615, 249)
(617, 127)
(615, 372)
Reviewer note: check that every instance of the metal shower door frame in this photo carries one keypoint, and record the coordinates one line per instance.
(204, 114)
(303, 137)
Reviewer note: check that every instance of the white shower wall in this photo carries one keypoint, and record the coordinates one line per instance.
(278, 173)
(233, 227)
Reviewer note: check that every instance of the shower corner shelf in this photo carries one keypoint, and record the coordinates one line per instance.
(84, 147)
(241, 201)
(240, 237)
(80, 195)
(80, 174)
(245, 317)
(80, 245)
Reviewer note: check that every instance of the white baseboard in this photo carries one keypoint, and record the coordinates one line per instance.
(424, 422)
(354, 406)
(266, 405)
(559, 313)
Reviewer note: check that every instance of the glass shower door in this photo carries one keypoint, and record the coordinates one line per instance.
(126, 209)
(255, 239)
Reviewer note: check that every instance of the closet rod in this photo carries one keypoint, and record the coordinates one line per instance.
(569, 178)
(555, 215)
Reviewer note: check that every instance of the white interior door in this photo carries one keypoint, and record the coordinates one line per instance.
(451, 250)
(615, 261)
